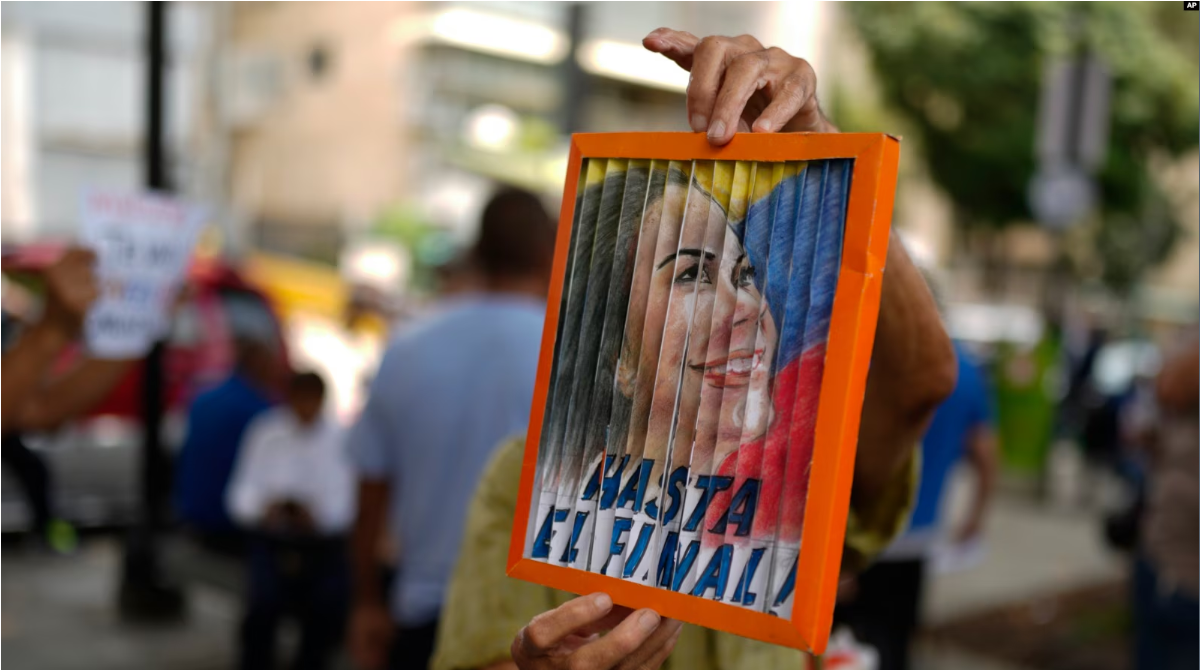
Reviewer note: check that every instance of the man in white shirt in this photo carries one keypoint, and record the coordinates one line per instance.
(293, 491)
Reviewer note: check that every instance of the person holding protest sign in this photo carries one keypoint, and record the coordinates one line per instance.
(737, 85)
(34, 400)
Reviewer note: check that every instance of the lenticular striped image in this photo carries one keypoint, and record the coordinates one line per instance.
(567, 345)
(565, 531)
(680, 271)
(714, 372)
(667, 221)
(748, 571)
(810, 362)
(688, 362)
(592, 475)
(715, 263)
(646, 209)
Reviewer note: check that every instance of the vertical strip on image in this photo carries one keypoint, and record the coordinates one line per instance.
(670, 217)
(708, 295)
(682, 271)
(749, 571)
(827, 257)
(568, 345)
(544, 444)
(642, 209)
(722, 389)
(565, 533)
(595, 465)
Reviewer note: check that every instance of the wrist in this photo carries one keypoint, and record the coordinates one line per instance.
(51, 335)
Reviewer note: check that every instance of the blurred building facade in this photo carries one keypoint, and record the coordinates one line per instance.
(73, 110)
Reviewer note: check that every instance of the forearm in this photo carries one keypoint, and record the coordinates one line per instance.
(982, 454)
(72, 394)
(365, 542)
(912, 370)
(25, 366)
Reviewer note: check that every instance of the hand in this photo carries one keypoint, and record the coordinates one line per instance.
(370, 635)
(969, 531)
(70, 290)
(569, 637)
(738, 85)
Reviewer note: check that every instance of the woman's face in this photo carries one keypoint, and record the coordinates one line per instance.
(709, 263)
(743, 335)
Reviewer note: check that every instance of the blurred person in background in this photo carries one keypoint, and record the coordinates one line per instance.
(217, 420)
(737, 85)
(449, 389)
(293, 491)
(38, 398)
(883, 608)
(1165, 583)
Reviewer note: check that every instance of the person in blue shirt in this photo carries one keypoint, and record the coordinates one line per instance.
(217, 418)
(885, 603)
(449, 389)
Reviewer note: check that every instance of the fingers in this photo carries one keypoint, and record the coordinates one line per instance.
(746, 74)
(711, 57)
(624, 641)
(547, 630)
(790, 91)
(652, 653)
(677, 45)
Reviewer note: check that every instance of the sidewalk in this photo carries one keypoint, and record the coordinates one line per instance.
(61, 612)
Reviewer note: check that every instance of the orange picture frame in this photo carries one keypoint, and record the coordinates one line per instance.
(852, 332)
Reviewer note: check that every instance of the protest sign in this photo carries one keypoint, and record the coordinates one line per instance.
(143, 244)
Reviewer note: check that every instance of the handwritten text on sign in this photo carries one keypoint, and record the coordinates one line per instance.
(143, 243)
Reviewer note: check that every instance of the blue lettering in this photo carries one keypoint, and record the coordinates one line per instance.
(570, 552)
(741, 511)
(541, 549)
(594, 482)
(667, 560)
(685, 566)
(635, 488)
(709, 486)
(748, 574)
(675, 492)
(635, 558)
(612, 481)
(621, 525)
(787, 587)
(716, 575)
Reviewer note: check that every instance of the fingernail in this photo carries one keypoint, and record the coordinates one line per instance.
(763, 125)
(699, 122)
(648, 620)
(602, 602)
(717, 130)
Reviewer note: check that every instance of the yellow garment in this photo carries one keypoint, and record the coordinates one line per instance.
(484, 609)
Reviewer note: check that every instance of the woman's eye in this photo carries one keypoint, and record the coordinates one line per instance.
(687, 275)
(705, 277)
(746, 276)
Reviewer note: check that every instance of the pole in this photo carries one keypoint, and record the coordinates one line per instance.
(574, 79)
(144, 592)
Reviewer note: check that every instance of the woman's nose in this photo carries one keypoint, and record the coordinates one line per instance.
(746, 308)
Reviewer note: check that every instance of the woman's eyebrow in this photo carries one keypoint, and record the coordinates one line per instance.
(689, 251)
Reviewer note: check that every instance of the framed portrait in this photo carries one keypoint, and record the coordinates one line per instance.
(710, 320)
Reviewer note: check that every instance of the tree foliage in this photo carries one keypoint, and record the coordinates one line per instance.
(967, 77)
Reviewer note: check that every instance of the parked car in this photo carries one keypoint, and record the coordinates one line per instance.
(94, 461)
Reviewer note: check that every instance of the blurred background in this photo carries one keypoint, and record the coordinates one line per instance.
(1049, 187)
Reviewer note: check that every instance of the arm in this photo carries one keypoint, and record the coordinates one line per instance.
(24, 365)
(739, 85)
(982, 456)
(70, 290)
(71, 394)
(371, 625)
(912, 370)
